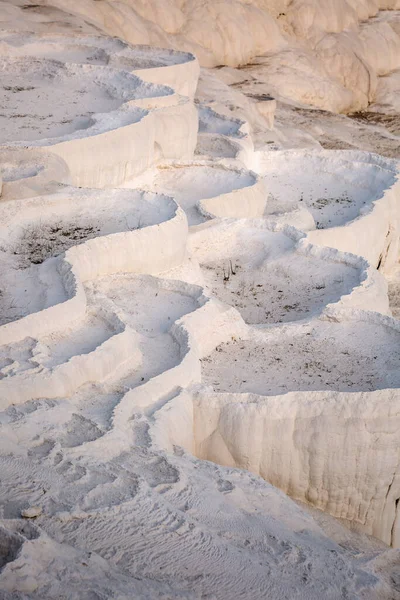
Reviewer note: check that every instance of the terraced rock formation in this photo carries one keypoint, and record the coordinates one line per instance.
(180, 315)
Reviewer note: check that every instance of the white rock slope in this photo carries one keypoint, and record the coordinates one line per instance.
(187, 322)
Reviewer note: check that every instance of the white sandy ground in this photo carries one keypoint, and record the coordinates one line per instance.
(105, 406)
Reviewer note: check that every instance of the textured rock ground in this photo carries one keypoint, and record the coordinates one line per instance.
(198, 305)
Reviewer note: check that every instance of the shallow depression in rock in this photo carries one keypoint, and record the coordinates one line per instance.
(56, 99)
(334, 188)
(191, 183)
(287, 289)
(348, 356)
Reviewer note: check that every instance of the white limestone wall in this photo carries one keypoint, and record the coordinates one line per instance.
(182, 77)
(108, 159)
(336, 451)
(63, 380)
(196, 334)
(247, 202)
(149, 250)
(371, 293)
(176, 129)
(59, 317)
(373, 235)
(173, 424)
(120, 146)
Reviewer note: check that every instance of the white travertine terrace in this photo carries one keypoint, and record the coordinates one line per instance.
(149, 119)
(208, 190)
(329, 53)
(159, 66)
(268, 263)
(171, 296)
(353, 201)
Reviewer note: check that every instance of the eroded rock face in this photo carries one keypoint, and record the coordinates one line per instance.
(295, 441)
(188, 321)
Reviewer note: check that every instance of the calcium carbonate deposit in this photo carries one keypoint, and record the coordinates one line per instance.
(199, 299)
